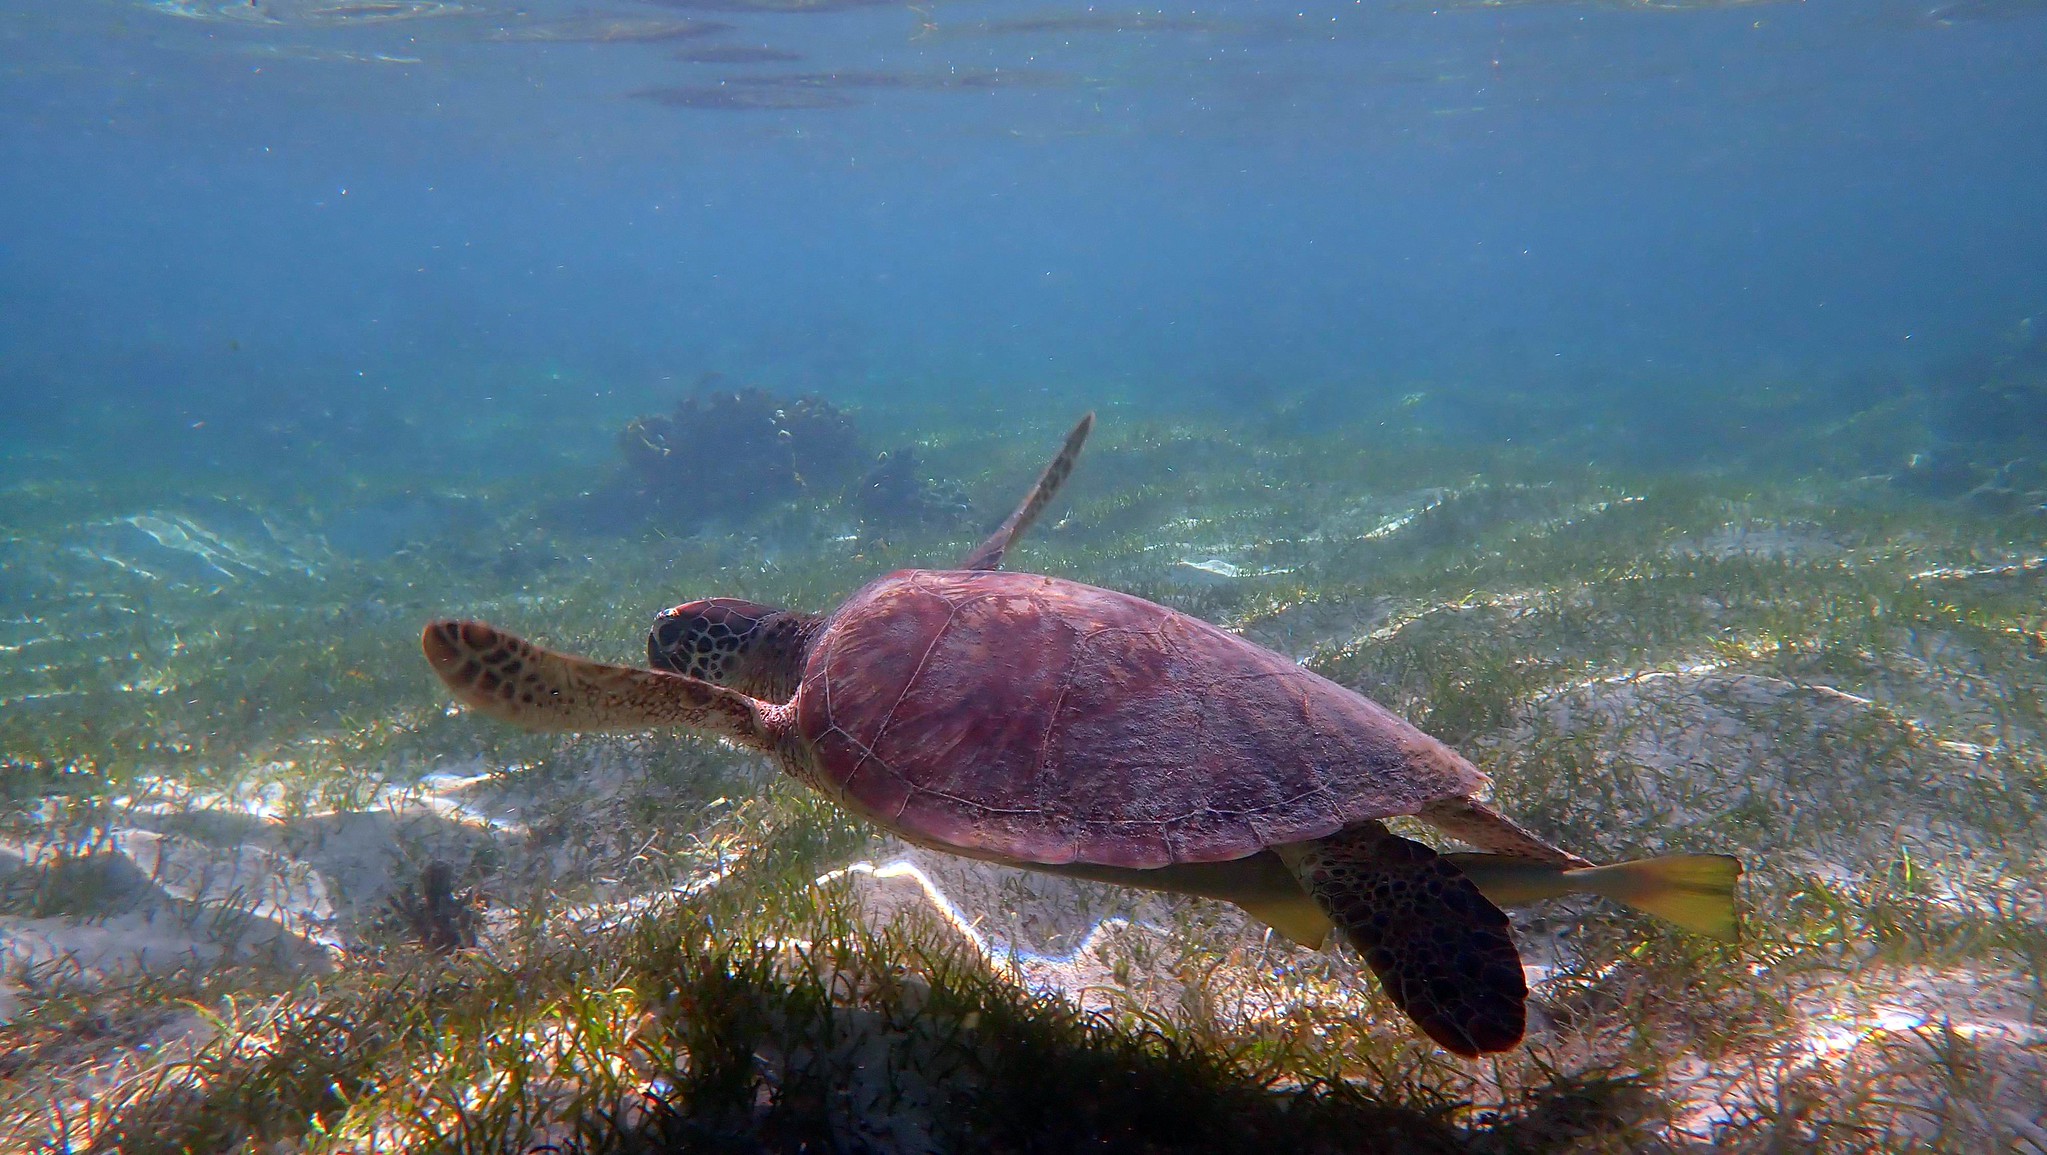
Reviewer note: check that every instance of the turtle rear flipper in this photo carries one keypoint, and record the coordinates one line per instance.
(1442, 951)
(512, 679)
(988, 555)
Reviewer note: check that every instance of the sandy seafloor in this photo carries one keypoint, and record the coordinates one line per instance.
(225, 756)
(1647, 397)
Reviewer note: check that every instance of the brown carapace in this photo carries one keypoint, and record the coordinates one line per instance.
(1057, 726)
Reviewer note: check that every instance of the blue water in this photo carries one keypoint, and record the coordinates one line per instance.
(216, 214)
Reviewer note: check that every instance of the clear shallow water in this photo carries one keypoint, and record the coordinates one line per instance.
(1647, 399)
(218, 207)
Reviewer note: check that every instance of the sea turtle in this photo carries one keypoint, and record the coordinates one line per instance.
(1056, 726)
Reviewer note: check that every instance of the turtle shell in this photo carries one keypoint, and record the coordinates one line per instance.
(1037, 720)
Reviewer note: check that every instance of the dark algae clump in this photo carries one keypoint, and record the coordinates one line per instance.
(726, 455)
(435, 915)
(734, 452)
(1988, 421)
(895, 494)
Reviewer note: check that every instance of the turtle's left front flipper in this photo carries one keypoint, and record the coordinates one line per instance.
(512, 679)
(1442, 951)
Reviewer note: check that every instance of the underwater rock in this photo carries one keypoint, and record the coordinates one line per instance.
(896, 495)
(1990, 407)
(1994, 491)
(738, 451)
(1938, 475)
(436, 915)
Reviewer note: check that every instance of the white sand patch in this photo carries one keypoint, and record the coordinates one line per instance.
(1100, 946)
(1368, 518)
(1956, 1056)
(1215, 571)
(194, 876)
(1305, 629)
(1777, 542)
(247, 880)
(33, 950)
(2012, 568)
(1718, 755)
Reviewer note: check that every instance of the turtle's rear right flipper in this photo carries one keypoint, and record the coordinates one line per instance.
(1442, 951)
(988, 555)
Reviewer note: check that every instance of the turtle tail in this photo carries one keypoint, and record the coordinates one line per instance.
(1695, 891)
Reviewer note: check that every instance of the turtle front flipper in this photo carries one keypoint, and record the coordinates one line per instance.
(988, 555)
(512, 679)
(1441, 950)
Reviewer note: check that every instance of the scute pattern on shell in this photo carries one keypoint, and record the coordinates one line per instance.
(1041, 720)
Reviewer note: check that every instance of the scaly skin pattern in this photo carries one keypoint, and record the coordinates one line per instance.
(512, 679)
(755, 649)
(1043, 721)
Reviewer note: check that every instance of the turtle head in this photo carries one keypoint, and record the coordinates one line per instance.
(755, 649)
